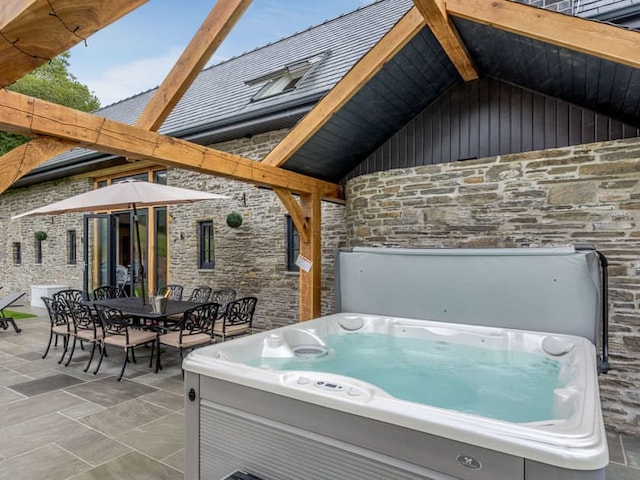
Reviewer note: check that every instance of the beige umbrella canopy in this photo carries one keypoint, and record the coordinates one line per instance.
(125, 195)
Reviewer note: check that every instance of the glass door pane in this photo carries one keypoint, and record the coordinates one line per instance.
(99, 251)
(161, 254)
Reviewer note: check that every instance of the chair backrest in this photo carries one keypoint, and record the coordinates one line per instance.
(200, 294)
(56, 313)
(174, 292)
(199, 319)
(223, 297)
(83, 317)
(108, 291)
(66, 297)
(240, 311)
(113, 321)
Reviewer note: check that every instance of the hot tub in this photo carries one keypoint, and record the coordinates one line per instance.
(482, 402)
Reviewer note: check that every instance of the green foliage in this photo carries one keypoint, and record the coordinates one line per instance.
(234, 219)
(51, 82)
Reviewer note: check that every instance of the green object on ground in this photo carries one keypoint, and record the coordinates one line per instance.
(14, 314)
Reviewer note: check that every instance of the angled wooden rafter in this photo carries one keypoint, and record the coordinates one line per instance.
(592, 38)
(435, 13)
(24, 158)
(295, 210)
(33, 32)
(205, 42)
(29, 116)
(345, 89)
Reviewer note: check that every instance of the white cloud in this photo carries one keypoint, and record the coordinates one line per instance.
(123, 81)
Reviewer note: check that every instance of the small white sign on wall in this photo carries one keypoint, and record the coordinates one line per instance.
(304, 263)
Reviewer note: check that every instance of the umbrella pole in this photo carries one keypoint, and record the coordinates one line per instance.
(142, 272)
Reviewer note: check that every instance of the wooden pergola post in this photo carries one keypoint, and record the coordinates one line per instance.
(310, 286)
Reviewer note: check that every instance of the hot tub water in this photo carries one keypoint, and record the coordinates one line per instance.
(512, 386)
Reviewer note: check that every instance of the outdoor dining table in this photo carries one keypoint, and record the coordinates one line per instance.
(135, 308)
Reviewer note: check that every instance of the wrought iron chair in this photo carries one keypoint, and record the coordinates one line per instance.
(71, 295)
(108, 291)
(238, 318)
(200, 294)
(172, 292)
(61, 325)
(86, 328)
(195, 329)
(119, 333)
(223, 297)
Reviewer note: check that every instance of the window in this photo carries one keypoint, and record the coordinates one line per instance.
(206, 247)
(293, 245)
(38, 248)
(17, 254)
(72, 257)
(285, 79)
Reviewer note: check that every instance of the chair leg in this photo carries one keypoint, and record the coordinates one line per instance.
(158, 365)
(93, 351)
(124, 364)
(133, 356)
(13, 324)
(103, 353)
(73, 347)
(65, 344)
(181, 369)
(153, 345)
(49, 344)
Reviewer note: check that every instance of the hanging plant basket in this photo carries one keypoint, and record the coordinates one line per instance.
(234, 219)
(41, 235)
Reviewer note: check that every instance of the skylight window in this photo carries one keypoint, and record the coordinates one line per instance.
(285, 79)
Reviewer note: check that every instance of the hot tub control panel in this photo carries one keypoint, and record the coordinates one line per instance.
(332, 387)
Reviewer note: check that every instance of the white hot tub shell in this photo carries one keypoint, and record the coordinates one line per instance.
(292, 425)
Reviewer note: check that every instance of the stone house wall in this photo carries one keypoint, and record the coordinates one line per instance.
(251, 259)
(580, 194)
(564, 6)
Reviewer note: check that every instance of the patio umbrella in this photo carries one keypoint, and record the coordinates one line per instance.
(127, 194)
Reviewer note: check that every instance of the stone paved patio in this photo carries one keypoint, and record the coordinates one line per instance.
(60, 423)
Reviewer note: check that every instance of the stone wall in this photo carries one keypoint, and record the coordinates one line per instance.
(581, 194)
(53, 269)
(251, 259)
(564, 6)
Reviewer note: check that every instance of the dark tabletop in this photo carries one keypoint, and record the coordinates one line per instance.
(133, 306)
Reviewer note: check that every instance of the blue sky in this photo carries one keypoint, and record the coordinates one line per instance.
(135, 53)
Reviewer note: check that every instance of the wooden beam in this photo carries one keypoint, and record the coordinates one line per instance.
(210, 35)
(24, 158)
(435, 13)
(310, 283)
(29, 116)
(294, 209)
(345, 89)
(592, 38)
(10, 10)
(34, 32)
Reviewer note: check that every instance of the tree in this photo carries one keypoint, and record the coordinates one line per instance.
(52, 82)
